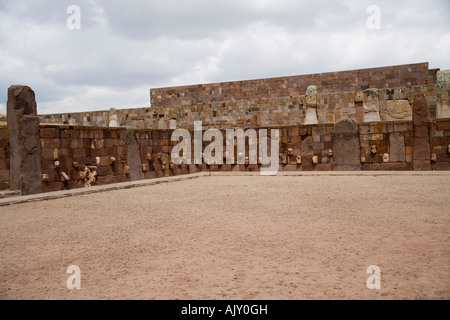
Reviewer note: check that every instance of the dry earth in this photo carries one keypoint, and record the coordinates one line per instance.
(235, 238)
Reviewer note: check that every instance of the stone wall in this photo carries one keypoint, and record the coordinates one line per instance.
(354, 80)
(4, 158)
(379, 94)
(77, 157)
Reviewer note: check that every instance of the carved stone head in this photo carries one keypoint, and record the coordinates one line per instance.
(315, 160)
(374, 149)
(386, 158)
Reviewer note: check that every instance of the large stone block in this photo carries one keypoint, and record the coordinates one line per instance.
(371, 106)
(134, 157)
(25, 144)
(397, 110)
(421, 119)
(397, 147)
(346, 146)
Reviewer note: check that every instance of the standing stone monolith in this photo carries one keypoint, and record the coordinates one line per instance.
(346, 146)
(371, 105)
(311, 106)
(24, 139)
(134, 157)
(397, 147)
(421, 120)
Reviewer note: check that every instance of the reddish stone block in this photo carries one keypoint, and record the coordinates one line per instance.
(394, 166)
(400, 127)
(4, 185)
(4, 164)
(79, 153)
(48, 133)
(324, 167)
(51, 187)
(4, 143)
(443, 125)
(4, 153)
(440, 166)
(375, 166)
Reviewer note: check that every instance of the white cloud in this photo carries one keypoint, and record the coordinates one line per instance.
(123, 50)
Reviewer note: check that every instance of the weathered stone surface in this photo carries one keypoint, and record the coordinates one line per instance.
(23, 128)
(134, 157)
(421, 119)
(371, 105)
(346, 147)
(311, 116)
(311, 96)
(397, 147)
(398, 110)
(443, 105)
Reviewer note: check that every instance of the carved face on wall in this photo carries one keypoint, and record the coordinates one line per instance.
(434, 157)
(315, 160)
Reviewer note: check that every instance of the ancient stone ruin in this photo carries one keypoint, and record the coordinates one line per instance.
(390, 118)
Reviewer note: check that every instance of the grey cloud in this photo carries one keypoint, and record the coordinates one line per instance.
(126, 47)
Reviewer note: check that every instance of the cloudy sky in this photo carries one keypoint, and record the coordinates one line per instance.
(124, 48)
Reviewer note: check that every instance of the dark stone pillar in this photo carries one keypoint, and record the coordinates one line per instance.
(421, 121)
(346, 146)
(134, 157)
(24, 139)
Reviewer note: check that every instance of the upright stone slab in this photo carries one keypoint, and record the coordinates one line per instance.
(346, 146)
(307, 152)
(421, 120)
(134, 157)
(371, 105)
(311, 106)
(24, 139)
(397, 147)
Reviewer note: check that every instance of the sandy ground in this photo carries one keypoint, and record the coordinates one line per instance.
(233, 238)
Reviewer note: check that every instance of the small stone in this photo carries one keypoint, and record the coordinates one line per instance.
(45, 178)
(113, 159)
(57, 165)
(98, 160)
(299, 160)
(315, 160)
(144, 167)
(126, 170)
(363, 159)
(247, 161)
(330, 152)
(386, 158)
(374, 149)
(64, 177)
(148, 157)
(75, 164)
(290, 152)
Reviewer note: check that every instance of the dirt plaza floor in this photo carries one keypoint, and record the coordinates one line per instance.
(235, 237)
